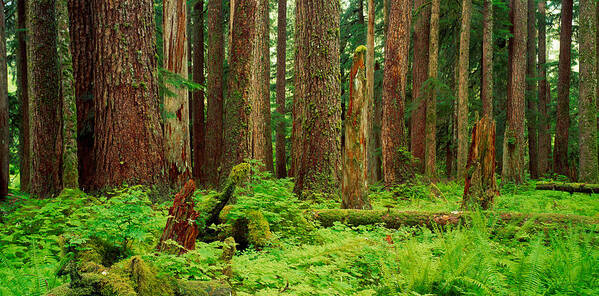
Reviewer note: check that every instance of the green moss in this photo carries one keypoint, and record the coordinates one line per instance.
(360, 49)
(259, 233)
(202, 288)
(240, 173)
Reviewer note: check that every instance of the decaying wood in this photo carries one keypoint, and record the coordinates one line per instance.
(481, 187)
(181, 226)
(568, 187)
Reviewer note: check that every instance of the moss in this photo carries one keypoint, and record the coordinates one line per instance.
(62, 290)
(202, 288)
(360, 49)
(239, 173)
(144, 278)
(259, 233)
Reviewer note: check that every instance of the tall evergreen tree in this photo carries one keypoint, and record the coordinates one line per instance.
(487, 66)
(4, 155)
(531, 96)
(544, 98)
(198, 129)
(430, 167)
(373, 160)
(464, 69)
(281, 155)
(23, 90)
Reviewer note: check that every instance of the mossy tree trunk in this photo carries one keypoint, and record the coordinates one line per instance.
(198, 129)
(23, 91)
(46, 104)
(354, 187)
(463, 89)
(587, 105)
(531, 96)
(4, 155)
(396, 164)
(317, 112)
(70, 175)
(430, 155)
(543, 94)
(82, 51)
(177, 147)
(487, 64)
(128, 136)
(281, 154)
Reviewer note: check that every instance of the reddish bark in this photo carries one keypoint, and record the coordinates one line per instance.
(21, 57)
(181, 226)
(197, 99)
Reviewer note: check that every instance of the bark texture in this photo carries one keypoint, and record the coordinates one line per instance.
(46, 105)
(281, 154)
(514, 144)
(214, 86)
(373, 161)
(4, 131)
(198, 129)
(487, 82)
(128, 137)
(354, 188)
(562, 126)
(317, 112)
(177, 147)
(430, 155)
(543, 95)
(587, 104)
(23, 91)
(531, 96)
(463, 89)
(178, 226)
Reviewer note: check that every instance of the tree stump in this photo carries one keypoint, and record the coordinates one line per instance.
(481, 187)
(181, 225)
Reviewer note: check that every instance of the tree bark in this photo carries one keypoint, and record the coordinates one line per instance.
(238, 132)
(514, 144)
(544, 98)
(261, 148)
(46, 105)
(70, 175)
(430, 155)
(214, 86)
(487, 67)
(562, 126)
(128, 143)
(177, 147)
(587, 104)
(396, 164)
(373, 161)
(4, 129)
(317, 113)
(420, 75)
(463, 88)
(22, 80)
(281, 154)
(531, 96)
(181, 226)
(354, 188)
(197, 99)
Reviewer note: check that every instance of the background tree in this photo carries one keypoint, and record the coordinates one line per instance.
(431, 97)
(543, 94)
(23, 90)
(198, 129)
(281, 154)
(373, 160)
(487, 65)
(463, 89)
(4, 133)
(317, 113)
(531, 96)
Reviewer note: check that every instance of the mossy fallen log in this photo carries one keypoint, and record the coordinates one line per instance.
(568, 187)
(394, 219)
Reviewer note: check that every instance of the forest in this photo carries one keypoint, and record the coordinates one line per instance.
(306, 147)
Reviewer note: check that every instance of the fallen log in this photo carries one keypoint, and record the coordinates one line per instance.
(394, 219)
(568, 187)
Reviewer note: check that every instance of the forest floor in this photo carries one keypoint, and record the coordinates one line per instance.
(297, 256)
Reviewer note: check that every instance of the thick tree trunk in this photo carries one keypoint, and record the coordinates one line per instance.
(238, 133)
(4, 130)
(128, 137)
(198, 129)
(70, 175)
(463, 89)
(562, 126)
(420, 75)
(82, 50)
(396, 164)
(487, 83)
(281, 154)
(514, 144)
(46, 105)
(531, 96)
(430, 154)
(177, 148)
(22, 88)
(317, 113)
(544, 98)
(261, 145)
(373, 163)
(214, 86)
(587, 104)
(354, 188)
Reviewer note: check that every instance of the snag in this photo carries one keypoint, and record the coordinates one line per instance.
(181, 226)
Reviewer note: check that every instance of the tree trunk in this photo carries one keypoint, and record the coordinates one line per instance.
(514, 144)
(463, 88)
(261, 144)
(317, 113)
(214, 86)
(70, 175)
(562, 126)
(373, 163)
(487, 67)
(430, 167)
(544, 98)
(568, 187)
(46, 105)
(82, 50)
(420, 75)
(128, 138)
(396, 164)
(197, 99)
(281, 154)
(22, 80)
(354, 188)
(481, 187)
(238, 133)
(181, 226)
(4, 130)
(587, 105)
(177, 148)
(531, 96)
